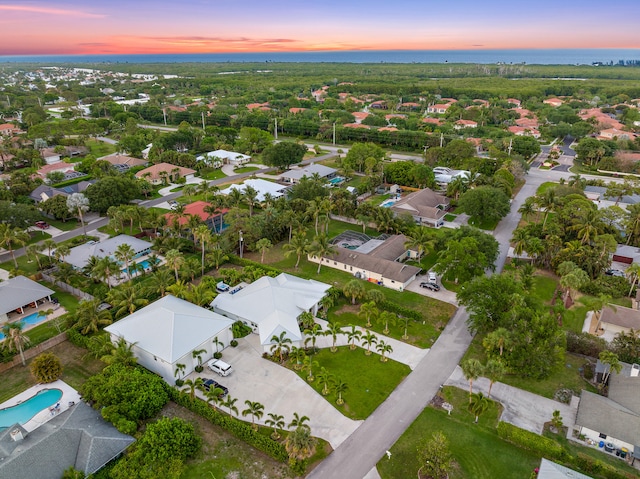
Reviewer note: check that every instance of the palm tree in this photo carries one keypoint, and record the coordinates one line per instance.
(193, 385)
(420, 239)
(122, 353)
(478, 403)
(325, 378)
(213, 396)
(312, 335)
(33, 250)
(255, 409)
(203, 235)
(126, 299)
(298, 421)
(307, 365)
(276, 422)
(597, 304)
(339, 387)
(353, 335)
(528, 208)
(471, 368)
(494, 369)
(386, 318)
(306, 319)
(231, 404)
(497, 339)
(369, 339)
(216, 257)
(49, 244)
(263, 245)
(15, 339)
(281, 345)
(10, 237)
(548, 202)
(589, 226)
(125, 254)
(90, 316)
(333, 330)
(383, 348)
(632, 273)
(78, 203)
(104, 269)
(354, 289)
(180, 368)
(300, 444)
(159, 281)
(250, 196)
(298, 246)
(175, 260)
(320, 248)
(197, 354)
(520, 239)
(610, 359)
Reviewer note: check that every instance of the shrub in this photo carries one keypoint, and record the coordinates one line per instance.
(234, 343)
(46, 368)
(400, 310)
(217, 355)
(531, 441)
(199, 368)
(585, 344)
(240, 330)
(613, 286)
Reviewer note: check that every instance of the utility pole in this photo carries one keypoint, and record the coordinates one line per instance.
(441, 139)
(164, 114)
(275, 130)
(334, 133)
(241, 241)
(202, 113)
(510, 145)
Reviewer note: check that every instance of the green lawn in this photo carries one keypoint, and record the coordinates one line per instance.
(37, 236)
(68, 225)
(476, 448)
(488, 225)
(450, 217)
(370, 380)
(212, 174)
(545, 186)
(100, 148)
(245, 169)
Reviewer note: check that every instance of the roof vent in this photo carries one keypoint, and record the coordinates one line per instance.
(16, 435)
(635, 369)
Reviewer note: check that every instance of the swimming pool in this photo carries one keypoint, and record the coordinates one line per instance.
(387, 203)
(30, 320)
(145, 264)
(337, 180)
(23, 412)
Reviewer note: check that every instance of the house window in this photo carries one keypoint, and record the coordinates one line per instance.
(345, 266)
(350, 268)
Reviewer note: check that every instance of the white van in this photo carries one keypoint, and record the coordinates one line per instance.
(220, 367)
(432, 277)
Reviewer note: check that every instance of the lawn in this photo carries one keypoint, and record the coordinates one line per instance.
(100, 148)
(212, 174)
(450, 217)
(370, 380)
(483, 224)
(245, 169)
(476, 448)
(68, 225)
(76, 370)
(37, 236)
(545, 186)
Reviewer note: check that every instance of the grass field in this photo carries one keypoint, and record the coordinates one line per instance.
(370, 380)
(100, 148)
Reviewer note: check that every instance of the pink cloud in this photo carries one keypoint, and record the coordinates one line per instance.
(49, 11)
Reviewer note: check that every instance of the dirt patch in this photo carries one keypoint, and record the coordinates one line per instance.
(223, 455)
(348, 308)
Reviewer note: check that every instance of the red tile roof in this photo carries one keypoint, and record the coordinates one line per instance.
(197, 209)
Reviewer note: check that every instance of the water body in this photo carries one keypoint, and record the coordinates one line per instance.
(23, 412)
(538, 57)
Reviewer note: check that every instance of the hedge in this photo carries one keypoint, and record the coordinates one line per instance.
(531, 441)
(233, 259)
(238, 428)
(591, 465)
(78, 339)
(400, 310)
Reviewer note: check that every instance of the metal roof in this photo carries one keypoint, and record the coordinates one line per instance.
(20, 291)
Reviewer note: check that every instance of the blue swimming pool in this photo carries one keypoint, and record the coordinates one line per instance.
(387, 203)
(337, 180)
(30, 320)
(145, 264)
(23, 412)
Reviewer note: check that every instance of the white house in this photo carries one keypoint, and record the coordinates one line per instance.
(19, 293)
(166, 332)
(261, 186)
(294, 175)
(271, 306)
(79, 255)
(229, 157)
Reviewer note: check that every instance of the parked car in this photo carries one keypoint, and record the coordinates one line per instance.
(431, 286)
(220, 367)
(432, 277)
(210, 383)
(173, 204)
(43, 225)
(615, 272)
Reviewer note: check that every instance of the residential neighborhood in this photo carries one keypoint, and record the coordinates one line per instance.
(292, 271)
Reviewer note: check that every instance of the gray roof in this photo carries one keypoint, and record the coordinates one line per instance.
(551, 470)
(625, 389)
(392, 270)
(424, 203)
(605, 416)
(78, 437)
(20, 291)
(308, 171)
(624, 317)
(79, 255)
(36, 195)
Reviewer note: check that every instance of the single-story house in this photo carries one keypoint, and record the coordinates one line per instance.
(294, 175)
(157, 173)
(425, 206)
(377, 260)
(619, 320)
(524, 131)
(9, 129)
(614, 133)
(614, 419)
(117, 159)
(45, 192)
(49, 168)
(79, 255)
(461, 124)
(438, 108)
(18, 293)
(215, 222)
(444, 175)
(552, 470)
(77, 437)
(226, 157)
(553, 102)
(166, 332)
(261, 186)
(271, 306)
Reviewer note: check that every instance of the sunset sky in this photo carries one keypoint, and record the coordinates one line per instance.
(203, 26)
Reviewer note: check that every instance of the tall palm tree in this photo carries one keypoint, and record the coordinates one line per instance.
(33, 251)
(386, 318)
(333, 330)
(314, 210)
(478, 403)
(125, 254)
(520, 239)
(298, 246)
(610, 359)
(384, 349)
(494, 369)
(281, 345)
(308, 364)
(250, 196)
(340, 387)
(632, 273)
(297, 355)
(320, 248)
(420, 239)
(90, 316)
(202, 234)
(263, 245)
(15, 339)
(471, 368)
(353, 335)
(528, 208)
(175, 260)
(369, 339)
(49, 244)
(255, 409)
(548, 202)
(326, 379)
(230, 403)
(298, 421)
(61, 252)
(275, 421)
(11, 237)
(312, 335)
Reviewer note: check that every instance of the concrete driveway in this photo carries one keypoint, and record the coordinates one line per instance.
(280, 391)
(442, 295)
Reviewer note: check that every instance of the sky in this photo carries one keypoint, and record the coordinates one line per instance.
(50, 27)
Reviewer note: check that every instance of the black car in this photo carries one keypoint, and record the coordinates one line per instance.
(615, 272)
(431, 286)
(210, 383)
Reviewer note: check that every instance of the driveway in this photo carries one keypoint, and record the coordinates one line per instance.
(521, 408)
(280, 390)
(442, 295)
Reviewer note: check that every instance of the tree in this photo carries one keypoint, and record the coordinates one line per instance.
(111, 191)
(386, 318)
(281, 345)
(326, 379)
(627, 346)
(612, 362)
(193, 385)
(299, 421)
(353, 335)
(354, 290)
(420, 239)
(125, 254)
(384, 349)
(179, 372)
(312, 334)
(461, 261)
(10, 237)
(498, 339)
(307, 365)
(471, 368)
(526, 146)
(230, 403)
(333, 330)
(126, 299)
(283, 154)
(340, 387)
(556, 420)
(369, 311)
(78, 204)
(214, 396)
(486, 203)
(263, 245)
(434, 457)
(122, 353)
(298, 246)
(46, 368)
(320, 248)
(572, 279)
(275, 421)
(175, 260)
(90, 316)
(300, 444)
(478, 404)
(369, 339)
(203, 235)
(494, 370)
(255, 409)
